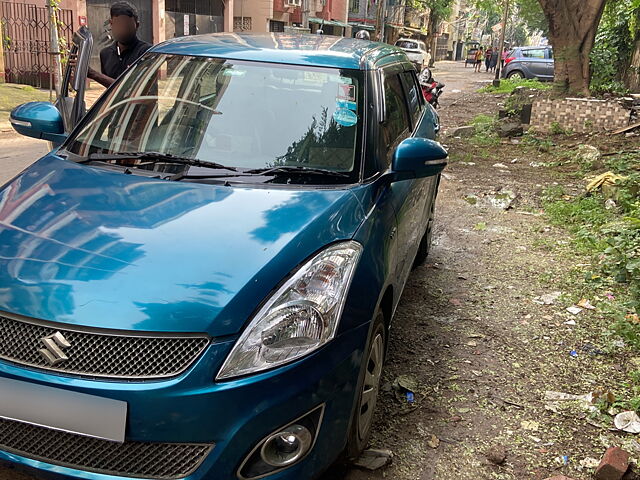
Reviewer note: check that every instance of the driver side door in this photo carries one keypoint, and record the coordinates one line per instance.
(71, 102)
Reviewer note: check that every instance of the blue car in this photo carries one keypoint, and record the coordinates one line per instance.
(199, 280)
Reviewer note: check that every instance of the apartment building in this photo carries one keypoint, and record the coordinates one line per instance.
(363, 13)
(284, 15)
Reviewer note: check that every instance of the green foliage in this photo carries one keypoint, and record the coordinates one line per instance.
(532, 15)
(440, 9)
(526, 17)
(509, 85)
(632, 392)
(556, 129)
(612, 235)
(485, 134)
(613, 47)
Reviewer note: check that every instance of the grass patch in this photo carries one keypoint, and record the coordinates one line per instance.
(508, 86)
(12, 95)
(609, 230)
(485, 134)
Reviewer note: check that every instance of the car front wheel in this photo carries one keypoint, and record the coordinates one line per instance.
(516, 75)
(362, 420)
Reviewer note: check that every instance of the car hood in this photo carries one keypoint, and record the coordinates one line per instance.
(92, 247)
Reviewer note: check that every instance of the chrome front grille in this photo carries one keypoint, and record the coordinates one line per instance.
(130, 459)
(101, 353)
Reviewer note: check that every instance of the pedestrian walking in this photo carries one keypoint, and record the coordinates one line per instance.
(487, 59)
(505, 55)
(479, 56)
(494, 60)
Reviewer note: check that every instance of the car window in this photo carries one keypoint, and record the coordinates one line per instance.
(406, 44)
(396, 125)
(413, 96)
(550, 53)
(533, 53)
(241, 114)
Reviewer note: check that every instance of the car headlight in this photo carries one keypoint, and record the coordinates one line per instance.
(300, 317)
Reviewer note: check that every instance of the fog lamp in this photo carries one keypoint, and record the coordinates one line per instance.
(287, 446)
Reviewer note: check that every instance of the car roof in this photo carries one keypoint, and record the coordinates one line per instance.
(287, 48)
(534, 48)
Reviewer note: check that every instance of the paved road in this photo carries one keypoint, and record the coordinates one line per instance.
(17, 152)
(458, 79)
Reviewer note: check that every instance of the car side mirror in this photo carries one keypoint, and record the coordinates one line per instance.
(38, 120)
(418, 158)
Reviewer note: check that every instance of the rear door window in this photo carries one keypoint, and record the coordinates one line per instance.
(413, 96)
(535, 53)
(407, 45)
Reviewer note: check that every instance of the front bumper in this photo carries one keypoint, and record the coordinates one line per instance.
(232, 416)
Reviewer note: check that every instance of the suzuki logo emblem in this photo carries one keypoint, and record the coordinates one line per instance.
(53, 346)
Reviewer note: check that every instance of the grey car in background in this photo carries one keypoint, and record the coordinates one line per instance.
(529, 62)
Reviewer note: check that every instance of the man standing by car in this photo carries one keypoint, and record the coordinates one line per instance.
(126, 48)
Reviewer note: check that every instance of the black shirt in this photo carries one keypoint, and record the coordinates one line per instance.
(113, 63)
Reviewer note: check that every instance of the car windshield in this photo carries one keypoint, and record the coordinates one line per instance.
(248, 115)
(407, 45)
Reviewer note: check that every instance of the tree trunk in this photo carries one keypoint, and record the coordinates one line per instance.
(632, 77)
(572, 32)
(432, 40)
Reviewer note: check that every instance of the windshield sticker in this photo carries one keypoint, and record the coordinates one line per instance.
(346, 80)
(315, 77)
(346, 104)
(345, 117)
(230, 72)
(347, 92)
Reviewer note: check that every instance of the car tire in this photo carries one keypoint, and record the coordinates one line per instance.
(362, 418)
(427, 238)
(516, 75)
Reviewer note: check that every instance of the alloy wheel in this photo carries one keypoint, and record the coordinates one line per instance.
(371, 385)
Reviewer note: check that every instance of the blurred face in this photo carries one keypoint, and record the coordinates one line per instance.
(123, 28)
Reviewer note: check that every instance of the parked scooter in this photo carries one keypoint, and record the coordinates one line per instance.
(430, 88)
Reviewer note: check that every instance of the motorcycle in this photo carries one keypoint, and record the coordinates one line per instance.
(431, 89)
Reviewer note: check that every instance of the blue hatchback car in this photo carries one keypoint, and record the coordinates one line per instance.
(199, 280)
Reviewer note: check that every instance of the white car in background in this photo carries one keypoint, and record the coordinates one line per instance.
(416, 50)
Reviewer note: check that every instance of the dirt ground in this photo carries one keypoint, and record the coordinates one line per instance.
(468, 332)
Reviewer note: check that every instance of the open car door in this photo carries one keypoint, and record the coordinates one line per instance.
(74, 79)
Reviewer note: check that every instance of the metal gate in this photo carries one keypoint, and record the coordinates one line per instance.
(442, 47)
(24, 28)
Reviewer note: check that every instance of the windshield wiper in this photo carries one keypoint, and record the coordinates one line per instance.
(157, 156)
(299, 170)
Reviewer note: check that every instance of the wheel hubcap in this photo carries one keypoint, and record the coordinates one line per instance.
(371, 385)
